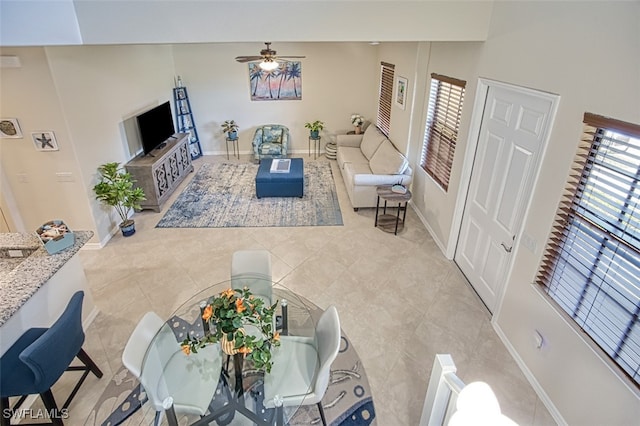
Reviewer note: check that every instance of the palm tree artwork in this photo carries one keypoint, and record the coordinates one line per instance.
(283, 83)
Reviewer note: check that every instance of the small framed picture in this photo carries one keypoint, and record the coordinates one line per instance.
(401, 92)
(44, 141)
(10, 129)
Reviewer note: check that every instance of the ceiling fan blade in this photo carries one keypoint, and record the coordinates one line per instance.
(290, 57)
(248, 58)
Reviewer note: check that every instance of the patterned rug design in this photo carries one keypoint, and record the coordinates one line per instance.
(224, 195)
(347, 401)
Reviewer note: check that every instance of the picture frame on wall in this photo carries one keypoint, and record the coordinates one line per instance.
(44, 141)
(281, 84)
(10, 129)
(401, 92)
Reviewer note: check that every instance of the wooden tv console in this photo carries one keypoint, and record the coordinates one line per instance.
(160, 172)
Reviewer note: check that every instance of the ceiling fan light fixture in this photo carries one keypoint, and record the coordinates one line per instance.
(269, 65)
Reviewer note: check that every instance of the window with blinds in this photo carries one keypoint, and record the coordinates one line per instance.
(446, 96)
(386, 95)
(591, 265)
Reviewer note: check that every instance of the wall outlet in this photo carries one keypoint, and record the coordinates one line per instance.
(22, 177)
(64, 177)
(529, 242)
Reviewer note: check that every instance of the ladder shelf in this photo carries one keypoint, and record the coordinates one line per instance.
(184, 119)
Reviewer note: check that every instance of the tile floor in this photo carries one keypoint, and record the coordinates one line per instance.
(400, 301)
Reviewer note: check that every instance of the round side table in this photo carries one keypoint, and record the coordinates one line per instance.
(388, 222)
(234, 147)
(316, 147)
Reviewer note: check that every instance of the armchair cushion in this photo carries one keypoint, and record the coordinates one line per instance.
(271, 134)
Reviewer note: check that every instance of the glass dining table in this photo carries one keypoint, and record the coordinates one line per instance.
(205, 386)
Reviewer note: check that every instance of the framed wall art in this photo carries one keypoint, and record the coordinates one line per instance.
(401, 92)
(9, 128)
(280, 84)
(44, 141)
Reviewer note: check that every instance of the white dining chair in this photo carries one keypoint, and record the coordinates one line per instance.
(155, 357)
(302, 366)
(252, 269)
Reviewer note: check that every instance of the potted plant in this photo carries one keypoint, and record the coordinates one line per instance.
(225, 317)
(357, 120)
(314, 128)
(116, 189)
(231, 128)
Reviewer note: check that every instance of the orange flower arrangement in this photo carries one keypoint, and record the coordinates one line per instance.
(227, 314)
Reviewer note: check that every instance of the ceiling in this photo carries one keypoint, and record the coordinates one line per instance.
(89, 22)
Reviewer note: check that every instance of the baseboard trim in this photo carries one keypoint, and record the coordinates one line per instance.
(89, 319)
(530, 377)
(428, 227)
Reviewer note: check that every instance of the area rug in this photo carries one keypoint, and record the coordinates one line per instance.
(224, 195)
(347, 401)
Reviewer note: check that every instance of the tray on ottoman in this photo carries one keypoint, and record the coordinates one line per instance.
(289, 184)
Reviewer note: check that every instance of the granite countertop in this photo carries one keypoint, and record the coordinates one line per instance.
(21, 282)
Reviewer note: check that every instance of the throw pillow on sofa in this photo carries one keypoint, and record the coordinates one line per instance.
(387, 160)
(371, 141)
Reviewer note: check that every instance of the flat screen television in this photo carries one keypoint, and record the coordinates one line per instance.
(155, 126)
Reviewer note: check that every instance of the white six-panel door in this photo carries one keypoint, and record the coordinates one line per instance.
(512, 136)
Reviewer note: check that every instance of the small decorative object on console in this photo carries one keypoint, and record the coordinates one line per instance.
(56, 236)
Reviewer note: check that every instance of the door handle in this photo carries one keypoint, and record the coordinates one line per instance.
(508, 249)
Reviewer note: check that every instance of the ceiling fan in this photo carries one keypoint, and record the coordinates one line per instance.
(268, 58)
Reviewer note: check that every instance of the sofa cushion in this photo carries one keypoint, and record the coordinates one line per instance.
(387, 160)
(371, 141)
(347, 154)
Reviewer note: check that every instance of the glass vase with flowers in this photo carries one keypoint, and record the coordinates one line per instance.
(242, 323)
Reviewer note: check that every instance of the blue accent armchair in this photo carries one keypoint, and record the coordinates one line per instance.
(271, 141)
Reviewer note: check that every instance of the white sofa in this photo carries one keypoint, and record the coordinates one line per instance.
(368, 160)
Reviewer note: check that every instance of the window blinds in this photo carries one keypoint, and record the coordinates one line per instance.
(386, 94)
(441, 130)
(591, 264)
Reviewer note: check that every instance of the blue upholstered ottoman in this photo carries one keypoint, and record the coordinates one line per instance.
(280, 184)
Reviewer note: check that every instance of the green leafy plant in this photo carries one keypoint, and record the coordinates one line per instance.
(357, 120)
(315, 126)
(116, 189)
(228, 316)
(230, 126)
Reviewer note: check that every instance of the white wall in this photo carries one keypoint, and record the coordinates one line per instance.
(100, 87)
(458, 60)
(29, 94)
(555, 47)
(337, 79)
